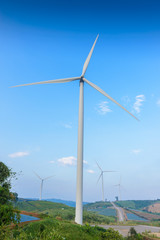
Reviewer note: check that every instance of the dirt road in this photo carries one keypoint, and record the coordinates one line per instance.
(120, 213)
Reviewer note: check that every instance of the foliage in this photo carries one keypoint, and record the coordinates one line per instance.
(48, 229)
(111, 234)
(7, 213)
(133, 235)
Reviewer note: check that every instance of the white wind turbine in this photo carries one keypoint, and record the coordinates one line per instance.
(82, 79)
(101, 176)
(41, 186)
(119, 188)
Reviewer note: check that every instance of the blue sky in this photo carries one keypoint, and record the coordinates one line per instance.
(44, 40)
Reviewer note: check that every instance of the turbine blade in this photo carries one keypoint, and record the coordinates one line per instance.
(64, 80)
(99, 177)
(37, 175)
(106, 95)
(89, 57)
(48, 177)
(99, 167)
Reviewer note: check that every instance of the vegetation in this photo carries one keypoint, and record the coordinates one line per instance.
(50, 228)
(61, 211)
(58, 219)
(135, 204)
(39, 206)
(97, 205)
(133, 235)
(7, 212)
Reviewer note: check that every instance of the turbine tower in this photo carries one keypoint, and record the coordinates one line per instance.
(41, 186)
(119, 188)
(101, 176)
(81, 79)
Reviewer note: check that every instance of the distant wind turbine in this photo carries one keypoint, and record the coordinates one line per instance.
(41, 186)
(119, 187)
(82, 79)
(101, 176)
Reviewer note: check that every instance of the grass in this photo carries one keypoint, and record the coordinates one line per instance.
(39, 206)
(63, 212)
(50, 228)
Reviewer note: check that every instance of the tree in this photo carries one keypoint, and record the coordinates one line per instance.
(7, 213)
(133, 235)
(111, 234)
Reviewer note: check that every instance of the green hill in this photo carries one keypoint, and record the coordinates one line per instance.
(61, 211)
(52, 229)
(136, 204)
(39, 206)
(97, 205)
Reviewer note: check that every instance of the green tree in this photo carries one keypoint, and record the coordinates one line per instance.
(111, 234)
(7, 213)
(133, 235)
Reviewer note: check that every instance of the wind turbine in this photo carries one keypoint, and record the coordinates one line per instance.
(81, 79)
(41, 186)
(119, 187)
(101, 176)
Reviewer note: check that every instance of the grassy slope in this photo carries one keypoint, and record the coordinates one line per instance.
(61, 211)
(49, 229)
(39, 206)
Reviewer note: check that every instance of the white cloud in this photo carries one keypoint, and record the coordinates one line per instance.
(103, 108)
(138, 103)
(18, 154)
(70, 161)
(90, 171)
(85, 162)
(158, 102)
(136, 151)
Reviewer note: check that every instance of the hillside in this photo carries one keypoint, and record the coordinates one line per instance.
(154, 208)
(102, 208)
(97, 205)
(61, 211)
(52, 229)
(135, 204)
(66, 202)
(38, 206)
